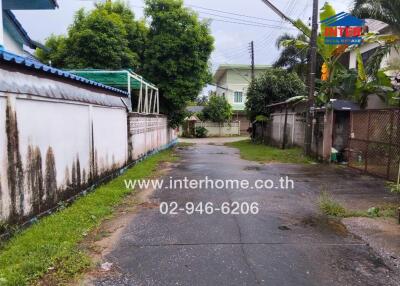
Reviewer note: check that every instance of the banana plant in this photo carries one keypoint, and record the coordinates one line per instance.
(380, 85)
(329, 53)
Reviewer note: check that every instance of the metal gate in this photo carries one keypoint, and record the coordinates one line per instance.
(374, 145)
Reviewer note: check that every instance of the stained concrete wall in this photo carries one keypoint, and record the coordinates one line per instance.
(294, 130)
(54, 145)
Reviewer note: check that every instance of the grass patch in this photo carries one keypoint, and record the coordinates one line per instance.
(333, 208)
(185, 144)
(52, 244)
(330, 207)
(266, 154)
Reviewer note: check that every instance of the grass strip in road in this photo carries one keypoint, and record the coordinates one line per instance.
(267, 154)
(53, 243)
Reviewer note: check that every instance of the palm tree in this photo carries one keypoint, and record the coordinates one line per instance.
(291, 57)
(386, 11)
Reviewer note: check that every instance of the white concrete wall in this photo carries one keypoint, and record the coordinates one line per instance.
(68, 130)
(59, 148)
(148, 133)
(51, 148)
(112, 123)
(220, 130)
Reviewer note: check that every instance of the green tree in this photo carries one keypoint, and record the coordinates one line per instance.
(107, 37)
(177, 56)
(56, 52)
(275, 85)
(291, 57)
(217, 110)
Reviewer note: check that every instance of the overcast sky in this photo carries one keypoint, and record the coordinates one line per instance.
(231, 39)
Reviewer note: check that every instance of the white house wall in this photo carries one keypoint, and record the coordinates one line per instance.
(393, 57)
(11, 44)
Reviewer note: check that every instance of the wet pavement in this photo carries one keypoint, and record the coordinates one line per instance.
(286, 243)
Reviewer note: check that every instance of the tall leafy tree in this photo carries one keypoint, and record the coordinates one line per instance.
(291, 57)
(107, 37)
(274, 86)
(177, 55)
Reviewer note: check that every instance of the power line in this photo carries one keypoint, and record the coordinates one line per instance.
(235, 14)
(246, 24)
(233, 18)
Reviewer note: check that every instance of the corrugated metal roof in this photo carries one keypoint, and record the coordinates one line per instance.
(30, 64)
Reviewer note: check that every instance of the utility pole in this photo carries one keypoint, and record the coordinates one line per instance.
(284, 17)
(252, 60)
(311, 83)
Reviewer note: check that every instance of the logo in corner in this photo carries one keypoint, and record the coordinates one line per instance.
(343, 29)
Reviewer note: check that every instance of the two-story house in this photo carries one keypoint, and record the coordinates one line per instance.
(232, 82)
(13, 37)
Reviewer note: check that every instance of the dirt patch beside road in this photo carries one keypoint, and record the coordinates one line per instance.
(382, 234)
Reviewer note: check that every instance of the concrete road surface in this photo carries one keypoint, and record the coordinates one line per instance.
(286, 243)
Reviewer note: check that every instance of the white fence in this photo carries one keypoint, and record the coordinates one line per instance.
(57, 139)
(148, 132)
(220, 129)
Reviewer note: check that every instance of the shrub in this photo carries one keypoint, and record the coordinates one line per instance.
(201, 132)
(218, 110)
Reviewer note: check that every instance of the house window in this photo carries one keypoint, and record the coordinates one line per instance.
(238, 97)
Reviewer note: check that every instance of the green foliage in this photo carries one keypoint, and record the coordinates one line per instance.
(201, 132)
(275, 85)
(394, 188)
(218, 110)
(267, 154)
(291, 57)
(107, 37)
(341, 86)
(261, 118)
(177, 54)
(57, 51)
(384, 11)
(54, 240)
(331, 207)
